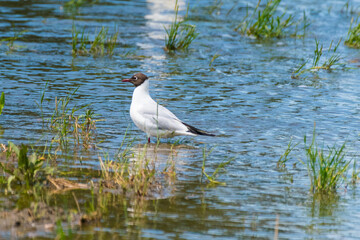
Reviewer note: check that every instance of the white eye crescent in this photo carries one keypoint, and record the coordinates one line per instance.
(136, 78)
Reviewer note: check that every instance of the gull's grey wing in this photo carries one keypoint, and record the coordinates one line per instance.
(164, 122)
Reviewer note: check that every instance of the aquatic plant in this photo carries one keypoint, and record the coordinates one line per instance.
(353, 36)
(281, 163)
(264, 23)
(326, 168)
(103, 44)
(10, 40)
(355, 173)
(169, 169)
(93, 211)
(133, 172)
(332, 60)
(29, 169)
(215, 56)
(69, 125)
(40, 104)
(2, 102)
(135, 176)
(85, 127)
(180, 34)
(215, 6)
(221, 167)
(60, 233)
(101, 41)
(349, 9)
(83, 41)
(74, 4)
(301, 26)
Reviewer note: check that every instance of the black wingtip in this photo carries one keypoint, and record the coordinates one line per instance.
(198, 131)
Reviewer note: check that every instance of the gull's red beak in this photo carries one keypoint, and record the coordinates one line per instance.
(126, 80)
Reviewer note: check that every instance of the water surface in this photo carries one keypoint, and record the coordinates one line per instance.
(250, 101)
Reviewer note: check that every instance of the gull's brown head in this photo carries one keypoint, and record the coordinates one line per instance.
(137, 79)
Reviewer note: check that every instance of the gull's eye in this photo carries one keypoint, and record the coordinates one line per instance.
(135, 77)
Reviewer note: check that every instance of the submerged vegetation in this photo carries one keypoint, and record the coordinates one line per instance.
(214, 7)
(221, 167)
(266, 24)
(10, 40)
(103, 45)
(75, 4)
(353, 36)
(180, 34)
(333, 59)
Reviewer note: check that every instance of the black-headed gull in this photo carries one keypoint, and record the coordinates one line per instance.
(152, 118)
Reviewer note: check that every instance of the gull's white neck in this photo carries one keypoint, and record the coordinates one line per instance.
(141, 92)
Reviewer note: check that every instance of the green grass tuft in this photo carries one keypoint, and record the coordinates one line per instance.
(333, 59)
(265, 23)
(281, 163)
(136, 177)
(221, 167)
(326, 167)
(353, 37)
(82, 41)
(103, 45)
(69, 124)
(180, 34)
(301, 26)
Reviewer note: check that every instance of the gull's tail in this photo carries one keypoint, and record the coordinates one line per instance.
(197, 131)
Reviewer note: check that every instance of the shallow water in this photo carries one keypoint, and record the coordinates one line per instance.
(250, 101)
